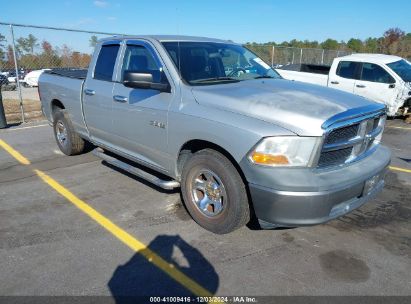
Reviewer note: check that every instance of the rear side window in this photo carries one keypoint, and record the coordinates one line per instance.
(105, 62)
(347, 69)
(375, 73)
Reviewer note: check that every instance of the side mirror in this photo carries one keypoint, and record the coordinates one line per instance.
(391, 86)
(145, 80)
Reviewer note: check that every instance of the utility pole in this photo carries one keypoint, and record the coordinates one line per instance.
(272, 56)
(3, 122)
(17, 73)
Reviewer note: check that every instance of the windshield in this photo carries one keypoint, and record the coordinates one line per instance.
(402, 68)
(201, 63)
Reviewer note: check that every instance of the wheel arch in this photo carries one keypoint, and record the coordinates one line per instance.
(55, 105)
(194, 145)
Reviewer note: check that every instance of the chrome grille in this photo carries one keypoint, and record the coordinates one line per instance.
(376, 121)
(332, 158)
(351, 140)
(342, 134)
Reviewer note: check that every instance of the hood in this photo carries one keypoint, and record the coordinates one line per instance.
(299, 107)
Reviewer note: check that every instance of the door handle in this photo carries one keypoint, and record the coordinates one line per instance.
(89, 92)
(119, 98)
(360, 86)
(334, 82)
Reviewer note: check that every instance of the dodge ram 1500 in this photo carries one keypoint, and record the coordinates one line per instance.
(211, 117)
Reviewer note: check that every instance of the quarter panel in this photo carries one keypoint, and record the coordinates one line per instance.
(68, 92)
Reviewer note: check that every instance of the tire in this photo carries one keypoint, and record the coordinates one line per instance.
(69, 142)
(208, 176)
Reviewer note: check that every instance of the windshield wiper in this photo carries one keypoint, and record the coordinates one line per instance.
(215, 79)
(263, 76)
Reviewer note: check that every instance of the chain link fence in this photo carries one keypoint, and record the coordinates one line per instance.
(26, 51)
(279, 55)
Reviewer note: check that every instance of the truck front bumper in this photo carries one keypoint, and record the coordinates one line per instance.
(302, 197)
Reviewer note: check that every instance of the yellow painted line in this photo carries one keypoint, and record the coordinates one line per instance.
(20, 158)
(115, 230)
(23, 128)
(394, 127)
(400, 169)
(126, 238)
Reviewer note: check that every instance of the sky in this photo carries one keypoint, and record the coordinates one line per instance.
(237, 20)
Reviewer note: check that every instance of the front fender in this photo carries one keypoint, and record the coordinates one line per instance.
(235, 133)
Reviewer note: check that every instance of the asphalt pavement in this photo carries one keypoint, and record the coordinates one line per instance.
(75, 226)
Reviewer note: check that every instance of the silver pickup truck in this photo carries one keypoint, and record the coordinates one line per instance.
(212, 118)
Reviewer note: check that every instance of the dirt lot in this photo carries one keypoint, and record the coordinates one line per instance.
(53, 243)
(31, 105)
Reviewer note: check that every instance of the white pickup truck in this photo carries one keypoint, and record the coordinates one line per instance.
(382, 78)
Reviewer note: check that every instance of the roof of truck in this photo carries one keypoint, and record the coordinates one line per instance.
(375, 58)
(163, 38)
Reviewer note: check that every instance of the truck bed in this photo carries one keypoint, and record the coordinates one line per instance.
(71, 73)
(308, 68)
(66, 86)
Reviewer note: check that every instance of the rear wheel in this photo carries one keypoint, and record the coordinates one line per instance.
(214, 192)
(69, 142)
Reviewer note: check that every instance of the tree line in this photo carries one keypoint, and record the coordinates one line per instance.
(33, 54)
(394, 41)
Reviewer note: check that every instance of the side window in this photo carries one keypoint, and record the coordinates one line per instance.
(375, 73)
(138, 58)
(105, 62)
(347, 69)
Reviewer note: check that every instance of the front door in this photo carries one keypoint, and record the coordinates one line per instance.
(140, 115)
(376, 83)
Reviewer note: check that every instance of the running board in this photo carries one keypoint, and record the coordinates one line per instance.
(165, 184)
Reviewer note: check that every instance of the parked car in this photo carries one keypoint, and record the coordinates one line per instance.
(382, 78)
(11, 76)
(3, 80)
(211, 117)
(32, 78)
(5, 84)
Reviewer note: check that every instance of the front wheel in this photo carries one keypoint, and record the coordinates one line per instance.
(214, 192)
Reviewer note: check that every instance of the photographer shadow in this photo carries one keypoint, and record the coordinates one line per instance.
(140, 277)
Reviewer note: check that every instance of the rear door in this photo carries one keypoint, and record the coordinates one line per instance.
(140, 115)
(98, 93)
(343, 78)
(376, 83)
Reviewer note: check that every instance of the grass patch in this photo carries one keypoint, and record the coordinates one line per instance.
(32, 110)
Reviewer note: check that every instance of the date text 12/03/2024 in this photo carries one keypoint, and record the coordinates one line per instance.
(233, 299)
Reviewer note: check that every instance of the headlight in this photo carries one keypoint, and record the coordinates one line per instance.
(289, 151)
